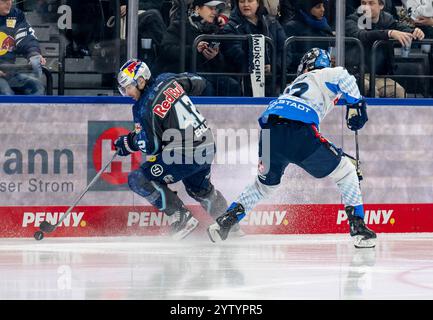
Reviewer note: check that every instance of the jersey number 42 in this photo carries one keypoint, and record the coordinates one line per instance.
(188, 115)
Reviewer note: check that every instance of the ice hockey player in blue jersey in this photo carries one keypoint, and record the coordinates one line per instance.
(176, 139)
(291, 123)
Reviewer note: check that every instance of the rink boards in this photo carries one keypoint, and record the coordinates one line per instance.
(52, 147)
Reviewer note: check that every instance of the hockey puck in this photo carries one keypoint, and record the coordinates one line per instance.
(39, 235)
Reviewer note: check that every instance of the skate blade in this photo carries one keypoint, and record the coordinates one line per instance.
(190, 226)
(212, 232)
(360, 243)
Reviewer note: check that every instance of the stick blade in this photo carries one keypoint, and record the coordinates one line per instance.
(47, 227)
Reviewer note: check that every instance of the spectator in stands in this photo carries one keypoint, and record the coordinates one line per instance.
(309, 20)
(388, 6)
(176, 6)
(17, 37)
(151, 30)
(425, 24)
(379, 25)
(420, 13)
(88, 27)
(224, 15)
(251, 17)
(272, 7)
(202, 20)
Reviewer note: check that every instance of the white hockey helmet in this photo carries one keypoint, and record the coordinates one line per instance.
(130, 72)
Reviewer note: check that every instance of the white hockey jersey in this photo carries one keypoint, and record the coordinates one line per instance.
(311, 96)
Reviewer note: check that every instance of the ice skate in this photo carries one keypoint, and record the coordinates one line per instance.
(220, 230)
(363, 237)
(184, 223)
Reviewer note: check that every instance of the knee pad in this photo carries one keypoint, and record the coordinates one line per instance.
(158, 194)
(254, 193)
(344, 169)
(204, 193)
(347, 181)
(138, 183)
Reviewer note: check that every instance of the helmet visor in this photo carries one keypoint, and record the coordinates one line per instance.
(124, 90)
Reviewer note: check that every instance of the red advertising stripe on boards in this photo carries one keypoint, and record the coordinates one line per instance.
(89, 221)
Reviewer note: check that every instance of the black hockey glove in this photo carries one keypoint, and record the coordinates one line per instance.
(125, 144)
(356, 115)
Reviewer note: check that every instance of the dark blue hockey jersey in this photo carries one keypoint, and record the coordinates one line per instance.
(164, 116)
(16, 37)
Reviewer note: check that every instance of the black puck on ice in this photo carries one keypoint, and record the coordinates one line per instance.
(39, 235)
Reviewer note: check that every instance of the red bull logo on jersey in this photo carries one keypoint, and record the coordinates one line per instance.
(171, 94)
(7, 43)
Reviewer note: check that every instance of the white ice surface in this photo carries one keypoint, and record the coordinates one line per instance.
(253, 267)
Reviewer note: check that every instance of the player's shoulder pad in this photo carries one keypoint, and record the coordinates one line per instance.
(164, 77)
(161, 80)
(335, 72)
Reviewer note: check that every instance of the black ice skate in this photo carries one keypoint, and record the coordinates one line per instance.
(220, 230)
(363, 237)
(183, 224)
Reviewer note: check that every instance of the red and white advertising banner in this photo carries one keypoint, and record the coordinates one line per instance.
(50, 152)
(265, 219)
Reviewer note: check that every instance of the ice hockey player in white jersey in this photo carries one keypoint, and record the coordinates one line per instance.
(290, 134)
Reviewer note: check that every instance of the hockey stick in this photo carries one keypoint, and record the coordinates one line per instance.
(48, 227)
(358, 162)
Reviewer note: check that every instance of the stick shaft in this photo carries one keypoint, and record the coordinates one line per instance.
(357, 147)
(95, 178)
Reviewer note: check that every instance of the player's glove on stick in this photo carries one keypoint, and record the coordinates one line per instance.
(125, 145)
(356, 115)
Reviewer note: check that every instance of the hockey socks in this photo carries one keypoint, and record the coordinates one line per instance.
(347, 181)
(254, 193)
